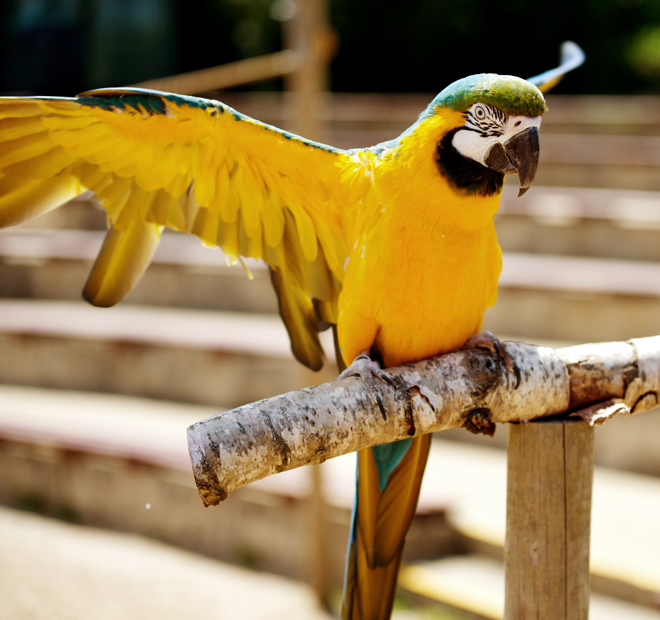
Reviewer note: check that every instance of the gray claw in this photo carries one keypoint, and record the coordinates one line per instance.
(369, 370)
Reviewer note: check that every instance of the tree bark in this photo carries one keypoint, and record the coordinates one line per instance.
(470, 388)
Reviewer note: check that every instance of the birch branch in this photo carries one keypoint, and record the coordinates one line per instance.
(469, 388)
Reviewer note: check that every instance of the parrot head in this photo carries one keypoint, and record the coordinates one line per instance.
(499, 133)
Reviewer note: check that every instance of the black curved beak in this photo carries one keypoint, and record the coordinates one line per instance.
(519, 154)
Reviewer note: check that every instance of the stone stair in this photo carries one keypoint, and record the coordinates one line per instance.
(579, 266)
(548, 297)
(121, 462)
(475, 584)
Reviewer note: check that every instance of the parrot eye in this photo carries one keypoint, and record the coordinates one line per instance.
(486, 120)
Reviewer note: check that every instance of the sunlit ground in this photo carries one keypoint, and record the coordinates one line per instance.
(55, 570)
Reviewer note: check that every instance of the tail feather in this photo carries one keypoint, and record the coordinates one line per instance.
(385, 507)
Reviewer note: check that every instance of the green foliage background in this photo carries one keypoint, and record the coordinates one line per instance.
(66, 46)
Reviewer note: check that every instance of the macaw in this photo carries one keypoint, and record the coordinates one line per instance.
(393, 245)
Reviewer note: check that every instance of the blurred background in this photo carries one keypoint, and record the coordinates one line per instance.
(99, 517)
(382, 49)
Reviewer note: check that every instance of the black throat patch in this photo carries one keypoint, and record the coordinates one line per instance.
(465, 175)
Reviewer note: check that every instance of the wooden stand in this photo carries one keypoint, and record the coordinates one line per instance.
(307, 33)
(318, 574)
(550, 477)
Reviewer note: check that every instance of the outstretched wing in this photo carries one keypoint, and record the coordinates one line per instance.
(156, 159)
(571, 57)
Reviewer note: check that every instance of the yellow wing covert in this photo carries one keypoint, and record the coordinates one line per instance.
(159, 160)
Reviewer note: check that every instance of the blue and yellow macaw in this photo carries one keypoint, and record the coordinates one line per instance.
(394, 245)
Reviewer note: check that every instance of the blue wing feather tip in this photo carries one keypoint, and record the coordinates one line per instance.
(152, 100)
(122, 97)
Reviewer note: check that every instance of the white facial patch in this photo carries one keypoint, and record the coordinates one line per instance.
(516, 124)
(472, 145)
(486, 125)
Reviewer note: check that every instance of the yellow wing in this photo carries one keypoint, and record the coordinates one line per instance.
(194, 165)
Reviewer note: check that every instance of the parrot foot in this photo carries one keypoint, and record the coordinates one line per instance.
(369, 370)
(486, 340)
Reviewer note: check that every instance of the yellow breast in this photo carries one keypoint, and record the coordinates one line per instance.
(424, 261)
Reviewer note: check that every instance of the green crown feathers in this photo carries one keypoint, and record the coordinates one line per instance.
(512, 95)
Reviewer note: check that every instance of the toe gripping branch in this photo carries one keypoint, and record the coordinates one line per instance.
(369, 370)
(485, 371)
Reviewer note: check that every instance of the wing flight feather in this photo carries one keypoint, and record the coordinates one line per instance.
(158, 160)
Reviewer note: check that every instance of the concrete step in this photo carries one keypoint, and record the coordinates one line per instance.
(580, 222)
(605, 115)
(54, 264)
(565, 221)
(195, 356)
(227, 359)
(625, 443)
(50, 570)
(475, 584)
(586, 142)
(552, 220)
(564, 298)
(623, 556)
(122, 463)
(83, 212)
(576, 299)
(210, 358)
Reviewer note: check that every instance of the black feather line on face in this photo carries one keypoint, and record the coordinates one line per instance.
(492, 122)
(464, 175)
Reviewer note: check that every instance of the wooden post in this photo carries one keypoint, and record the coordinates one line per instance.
(550, 477)
(305, 33)
(308, 33)
(319, 576)
(232, 74)
(317, 534)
